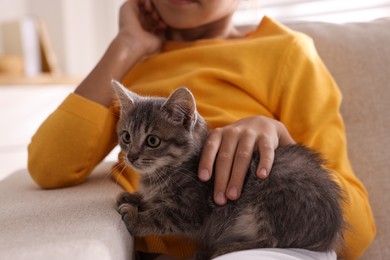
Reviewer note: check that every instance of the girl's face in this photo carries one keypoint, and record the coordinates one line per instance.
(188, 14)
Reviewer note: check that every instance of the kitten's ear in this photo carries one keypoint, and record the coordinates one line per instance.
(126, 97)
(181, 107)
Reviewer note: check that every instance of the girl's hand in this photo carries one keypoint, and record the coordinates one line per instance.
(231, 149)
(140, 24)
(140, 34)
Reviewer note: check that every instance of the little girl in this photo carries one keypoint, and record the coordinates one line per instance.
(257, 91)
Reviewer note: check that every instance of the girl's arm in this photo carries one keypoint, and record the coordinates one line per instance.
(132, 43)
(81, 132)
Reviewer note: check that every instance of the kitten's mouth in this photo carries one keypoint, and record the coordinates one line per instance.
(140, 166)
(134, 165)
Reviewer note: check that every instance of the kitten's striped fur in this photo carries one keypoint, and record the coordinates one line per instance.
(298, 206)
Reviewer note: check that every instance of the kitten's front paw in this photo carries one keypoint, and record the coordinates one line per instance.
(129, 215)
(128, 198)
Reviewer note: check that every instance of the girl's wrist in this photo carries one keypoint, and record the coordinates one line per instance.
(127, 52)
(118, 59)
(131, 45)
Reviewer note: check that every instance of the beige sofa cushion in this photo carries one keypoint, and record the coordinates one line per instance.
(358, 56)
(78, 223)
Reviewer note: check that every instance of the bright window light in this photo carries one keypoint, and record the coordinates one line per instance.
(335, 11)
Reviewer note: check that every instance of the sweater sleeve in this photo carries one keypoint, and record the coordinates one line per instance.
(71, 142)
(307, 101)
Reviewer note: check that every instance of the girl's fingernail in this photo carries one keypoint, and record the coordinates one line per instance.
(233, 193)
(220, 198)
(262, 173)
(204, 175)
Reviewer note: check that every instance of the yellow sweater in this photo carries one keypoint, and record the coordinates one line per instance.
(273, 71)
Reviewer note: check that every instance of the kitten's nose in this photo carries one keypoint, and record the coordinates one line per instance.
(132, 158)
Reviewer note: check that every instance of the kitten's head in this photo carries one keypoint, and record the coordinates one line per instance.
(154, 132)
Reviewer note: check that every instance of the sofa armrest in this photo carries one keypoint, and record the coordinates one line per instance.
(72, 223)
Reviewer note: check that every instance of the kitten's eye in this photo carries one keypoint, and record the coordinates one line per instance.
(125, 137)
(153, 141)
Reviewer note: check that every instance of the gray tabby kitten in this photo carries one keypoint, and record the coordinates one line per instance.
(298, 206)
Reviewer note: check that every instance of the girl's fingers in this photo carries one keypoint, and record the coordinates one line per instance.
(271, 139)
(155, 16)
(152, 20)
(267, 147)
(231, 149)
(209, 153)
(267, 155)
(224, 163)
(148, 5)
(242, 159)
(284, 136)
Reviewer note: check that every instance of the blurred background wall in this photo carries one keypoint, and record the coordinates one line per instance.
(79, 30)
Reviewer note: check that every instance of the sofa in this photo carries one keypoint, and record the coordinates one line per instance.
(81, 222)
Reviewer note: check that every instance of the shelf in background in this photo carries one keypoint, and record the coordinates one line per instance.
(44, 79)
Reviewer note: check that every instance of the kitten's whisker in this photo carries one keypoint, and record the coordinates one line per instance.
(114, 169)
(110, 172)
(121, 171)
(188, 173)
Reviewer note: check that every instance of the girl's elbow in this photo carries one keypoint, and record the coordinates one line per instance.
(50, 173)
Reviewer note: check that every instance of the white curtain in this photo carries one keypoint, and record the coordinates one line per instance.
(337, 11)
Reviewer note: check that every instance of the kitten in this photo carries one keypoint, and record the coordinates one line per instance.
(297, 206)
